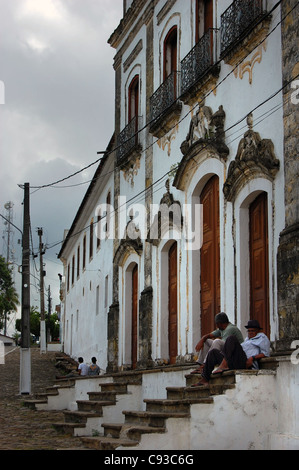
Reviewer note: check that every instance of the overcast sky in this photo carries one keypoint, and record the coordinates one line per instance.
(57, 72)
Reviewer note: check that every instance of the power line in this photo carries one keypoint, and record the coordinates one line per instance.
(205, 146)
(183, 118)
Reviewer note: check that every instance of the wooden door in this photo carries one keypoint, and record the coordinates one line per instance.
(134, 98)
(204, 17)
(210, 256)
(259, 268)
(170, 58)
(208, 15)
(134, 316)
(172, 306)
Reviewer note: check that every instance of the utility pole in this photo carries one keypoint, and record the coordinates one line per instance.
(49, 309)
(25, 356)
(43, 342)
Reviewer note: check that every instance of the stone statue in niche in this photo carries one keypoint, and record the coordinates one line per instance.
(254, 156)
(207, 128)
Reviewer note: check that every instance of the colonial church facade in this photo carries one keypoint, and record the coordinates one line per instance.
(193, 209)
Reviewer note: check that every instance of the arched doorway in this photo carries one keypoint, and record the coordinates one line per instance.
(210, 256)
(173, 303)
(259, 262)
(134, 341)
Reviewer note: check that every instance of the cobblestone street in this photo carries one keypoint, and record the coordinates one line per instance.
(20, 427)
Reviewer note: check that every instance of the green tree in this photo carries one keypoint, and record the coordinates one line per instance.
(9, 299)
(34, 322)
(53, 325)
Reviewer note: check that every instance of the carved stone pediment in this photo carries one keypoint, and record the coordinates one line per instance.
(131, 243)
(207, 129)
(205, 140)
(168, 217)
(255, 156)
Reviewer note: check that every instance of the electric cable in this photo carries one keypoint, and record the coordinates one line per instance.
(183, 118)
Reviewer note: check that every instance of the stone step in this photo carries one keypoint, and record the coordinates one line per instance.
(31, 404)
(174, 406)
(128, 377)
(107, 443)
(179, 393)
(103, 396)
(67, 428)
(81, 417)
(118, 387)
(67, 382)
(227, 378)
(93, 405)
(112, 429)
(150, 418)
(133, 431)
(50, 393)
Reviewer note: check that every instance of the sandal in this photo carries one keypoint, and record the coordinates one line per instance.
(197, 371)
(219, 371)
(200, 384)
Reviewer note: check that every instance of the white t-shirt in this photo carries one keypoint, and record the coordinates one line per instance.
(84, 368)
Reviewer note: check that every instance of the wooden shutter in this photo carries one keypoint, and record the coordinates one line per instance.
(259, 270)
(210, 256)
(173, 296)
(134, 315)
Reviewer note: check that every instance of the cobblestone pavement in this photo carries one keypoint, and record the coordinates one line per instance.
(20, 427)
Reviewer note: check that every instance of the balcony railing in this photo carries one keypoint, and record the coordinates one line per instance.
(128, 139)
(238, 19)
(164, 96)
(198, 61)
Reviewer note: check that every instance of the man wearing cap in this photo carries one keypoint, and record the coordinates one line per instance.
(256, 345)
(216, 339)
(236, 355)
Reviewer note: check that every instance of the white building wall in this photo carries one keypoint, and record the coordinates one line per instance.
(240, 92)
(89, 297)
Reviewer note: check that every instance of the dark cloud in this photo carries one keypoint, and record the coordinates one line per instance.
(57, 70)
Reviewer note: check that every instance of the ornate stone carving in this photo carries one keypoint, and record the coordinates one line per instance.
(168, 217)
(255, 156)
(205, 139)
(206, 129)
(249, 64)
(131, 243)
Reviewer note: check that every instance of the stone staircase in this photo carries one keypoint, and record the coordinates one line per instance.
(177, 407)
(87, 419)
(40, 400)
(153, 420)
(120, 417)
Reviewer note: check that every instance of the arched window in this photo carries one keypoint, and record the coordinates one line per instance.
(133, 99)
(170, 52)
(204, 18)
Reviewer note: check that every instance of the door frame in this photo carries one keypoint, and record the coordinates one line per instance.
(242, 256)
(163, 297)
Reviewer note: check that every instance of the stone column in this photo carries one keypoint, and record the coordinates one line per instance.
(288, 251)
(146, 298)
(113, 315)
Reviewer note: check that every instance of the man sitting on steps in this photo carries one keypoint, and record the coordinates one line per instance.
(236, 355)
(216, 339)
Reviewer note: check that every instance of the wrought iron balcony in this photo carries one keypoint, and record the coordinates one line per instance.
(164, 96)
(128, 140)
(198, 62)
(238, 19)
